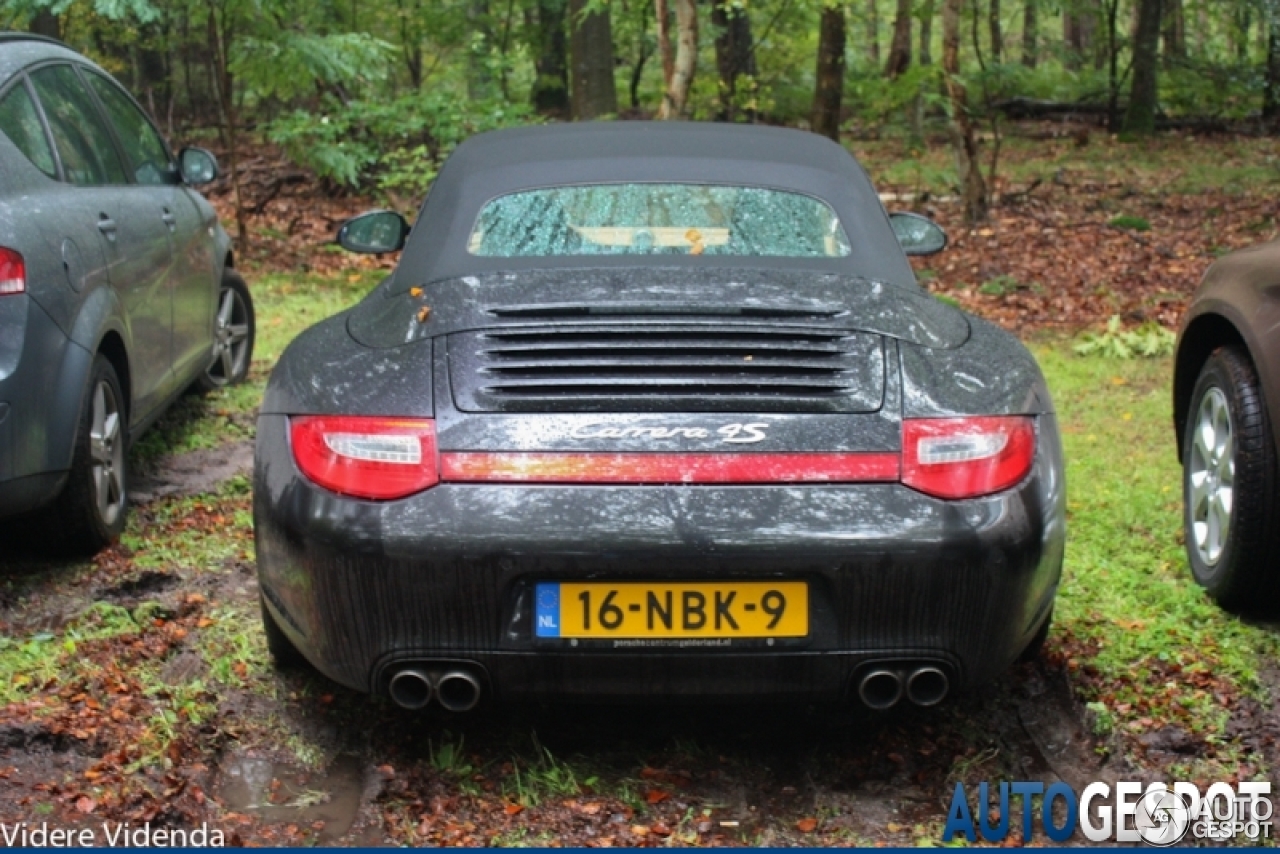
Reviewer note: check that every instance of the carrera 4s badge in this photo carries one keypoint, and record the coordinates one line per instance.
(736, 433)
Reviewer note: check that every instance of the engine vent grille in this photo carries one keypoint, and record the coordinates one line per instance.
(685, 367)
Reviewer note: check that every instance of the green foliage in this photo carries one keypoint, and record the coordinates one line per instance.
(397, 144)
(289, 64)
(1149, 341)
(878, 98)
(1130, 223)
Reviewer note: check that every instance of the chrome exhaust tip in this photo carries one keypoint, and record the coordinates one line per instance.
(880, 689)
(927, 686)
(458, 691)
(411, 689)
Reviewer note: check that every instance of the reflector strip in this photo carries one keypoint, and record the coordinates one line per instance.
(525, 467)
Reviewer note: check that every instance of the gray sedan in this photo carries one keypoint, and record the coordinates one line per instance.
(117, 291)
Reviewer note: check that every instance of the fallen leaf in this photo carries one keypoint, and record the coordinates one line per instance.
(86, 805)
(806, 825)
(656, 796)
(513, 809)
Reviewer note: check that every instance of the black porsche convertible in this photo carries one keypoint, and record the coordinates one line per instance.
(655, 410)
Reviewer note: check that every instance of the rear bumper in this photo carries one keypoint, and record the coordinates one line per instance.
(448, 574)
(42, 375)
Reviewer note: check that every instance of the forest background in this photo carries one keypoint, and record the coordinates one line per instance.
(370, 95)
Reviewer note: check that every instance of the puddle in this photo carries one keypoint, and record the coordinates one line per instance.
(325, 800)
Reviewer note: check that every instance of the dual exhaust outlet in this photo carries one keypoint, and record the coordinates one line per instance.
(456, 689)
(882, 687)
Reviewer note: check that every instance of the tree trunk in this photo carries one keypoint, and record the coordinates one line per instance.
(1112, 8)
(1271, 88)
(900, 48)
(1175, 33)
(591, 57)
(1029, 34)
(1141, 116)
(825, 117)
(675, 102)
(480, 82)
(45, 23)
(873, 31)
(735, 55)
(997, 38)
(926, 33)
(550, 94)
(1080, 25)
(645, 50)
(221, 33)
(972, 186)
(410, 44)
(665, 51)
(1240, 33)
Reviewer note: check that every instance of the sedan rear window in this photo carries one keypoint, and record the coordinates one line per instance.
(657, 219)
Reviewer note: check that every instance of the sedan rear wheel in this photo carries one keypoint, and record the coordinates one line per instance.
(90, 512)
(1232, 511)
(233, 335)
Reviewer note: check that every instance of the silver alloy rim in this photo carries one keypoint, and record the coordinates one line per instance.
(107, 453)
(1212, 476)
(230, 338)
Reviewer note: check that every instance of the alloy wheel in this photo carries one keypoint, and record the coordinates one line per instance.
(231, 338)
(106, 450)
(1211, 472)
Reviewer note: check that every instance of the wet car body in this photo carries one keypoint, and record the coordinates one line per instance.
(112, 274)
(1226, 405)
(731, 478)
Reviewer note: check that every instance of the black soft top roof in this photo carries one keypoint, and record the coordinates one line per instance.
(494, 164)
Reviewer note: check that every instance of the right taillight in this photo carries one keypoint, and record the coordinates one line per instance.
(967, 457)
(13, 273)
(364, 457)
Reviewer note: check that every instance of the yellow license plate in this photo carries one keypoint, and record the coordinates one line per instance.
(736, 609)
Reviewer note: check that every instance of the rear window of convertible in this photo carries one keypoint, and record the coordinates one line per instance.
(657, 219)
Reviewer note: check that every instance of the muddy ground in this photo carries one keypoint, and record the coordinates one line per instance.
(271, 757)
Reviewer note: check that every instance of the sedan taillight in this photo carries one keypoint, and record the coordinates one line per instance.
(378, 458)
(967, 457)
(13, 273)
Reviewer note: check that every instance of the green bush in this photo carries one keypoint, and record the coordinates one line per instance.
(395, 145)
(1150, 340)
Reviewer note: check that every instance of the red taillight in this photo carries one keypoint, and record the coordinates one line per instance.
(526, 467)
(967, 457)
(13, 272)
(378, 458)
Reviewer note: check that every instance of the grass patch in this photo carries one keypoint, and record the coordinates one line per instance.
(1150, 647)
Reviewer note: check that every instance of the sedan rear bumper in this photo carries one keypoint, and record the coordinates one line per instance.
(896, 578)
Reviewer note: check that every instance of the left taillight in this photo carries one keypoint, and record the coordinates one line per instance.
(376, 458)
(967, 457)
(13, 273)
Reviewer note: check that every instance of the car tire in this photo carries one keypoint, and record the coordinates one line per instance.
(91, 509)
(233, 335)
(1231, 509)
(284, 654)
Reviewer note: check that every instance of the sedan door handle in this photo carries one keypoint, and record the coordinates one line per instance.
(169, 219)
(107, 226)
